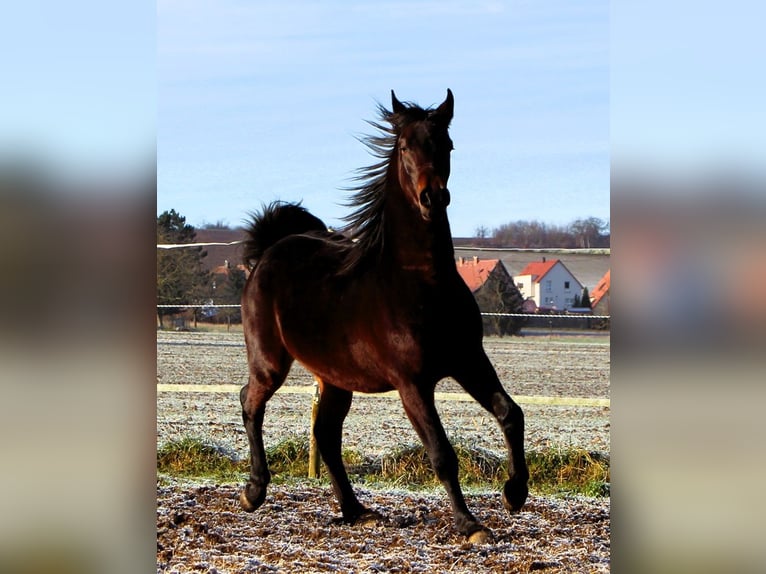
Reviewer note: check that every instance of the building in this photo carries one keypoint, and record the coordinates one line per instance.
(493, 288)
(477, 272)
(549, 284)
(599, 299)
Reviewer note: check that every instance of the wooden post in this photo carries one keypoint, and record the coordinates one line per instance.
(313, 449)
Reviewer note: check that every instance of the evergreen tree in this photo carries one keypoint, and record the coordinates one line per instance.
(500, 295)
(585, 298)
(181, 278)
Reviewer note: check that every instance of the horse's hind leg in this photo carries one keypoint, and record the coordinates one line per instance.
(421, 411)
(480, 380)
(334, 404)
(260, 388)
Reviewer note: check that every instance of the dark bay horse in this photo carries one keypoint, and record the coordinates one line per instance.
(379, 308)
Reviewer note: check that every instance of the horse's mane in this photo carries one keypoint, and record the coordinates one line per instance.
(364, 225)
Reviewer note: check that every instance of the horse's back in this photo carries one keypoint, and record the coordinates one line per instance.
(359, 331)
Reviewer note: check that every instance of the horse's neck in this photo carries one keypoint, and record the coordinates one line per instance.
(412, 246)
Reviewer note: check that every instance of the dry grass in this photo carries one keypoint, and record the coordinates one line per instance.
(191, 457)
(553, 471)
(411, 466)
(574, 471)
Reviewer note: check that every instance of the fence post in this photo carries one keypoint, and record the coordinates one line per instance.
(313, 449)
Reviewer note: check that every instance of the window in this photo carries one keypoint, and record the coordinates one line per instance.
(548, 285)
(566, 284)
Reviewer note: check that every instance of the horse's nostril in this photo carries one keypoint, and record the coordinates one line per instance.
(425, 198)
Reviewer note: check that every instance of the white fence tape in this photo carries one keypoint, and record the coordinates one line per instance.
(570, 316)
(201, 306)
(562, 250)
(177, 245)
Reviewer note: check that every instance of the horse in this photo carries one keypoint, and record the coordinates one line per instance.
(376, 307)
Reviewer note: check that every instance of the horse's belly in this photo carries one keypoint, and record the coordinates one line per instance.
(357, 379)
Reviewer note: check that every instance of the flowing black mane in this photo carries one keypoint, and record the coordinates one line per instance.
(365, 223)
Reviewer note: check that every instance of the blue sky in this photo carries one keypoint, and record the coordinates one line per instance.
(262, 100)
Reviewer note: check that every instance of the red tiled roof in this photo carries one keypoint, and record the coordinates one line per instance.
(475, 272)
(538, 269)
(601, 289)
(224, 270)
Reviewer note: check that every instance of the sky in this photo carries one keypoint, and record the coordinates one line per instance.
(260, 101)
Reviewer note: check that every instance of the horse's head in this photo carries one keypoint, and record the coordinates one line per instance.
(423, 148)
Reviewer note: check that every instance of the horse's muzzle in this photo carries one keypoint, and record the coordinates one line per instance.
(433, 201)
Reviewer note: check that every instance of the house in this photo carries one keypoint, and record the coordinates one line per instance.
(599, 298)
(225, 270)
(549, 284)
(476, 272)
(493, 288)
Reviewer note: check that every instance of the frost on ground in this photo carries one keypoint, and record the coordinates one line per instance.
(200, 528)
(536, 366)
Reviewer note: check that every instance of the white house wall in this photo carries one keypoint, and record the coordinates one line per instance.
(557, 288)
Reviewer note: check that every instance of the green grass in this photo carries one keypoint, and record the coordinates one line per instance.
(552, 471)
(191, 457)
(571, 471)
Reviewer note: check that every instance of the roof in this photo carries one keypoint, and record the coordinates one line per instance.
(226, 268)
(538, 269)
(602, 288)
(475, 272)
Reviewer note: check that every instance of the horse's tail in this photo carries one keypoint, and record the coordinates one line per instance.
(276, 221)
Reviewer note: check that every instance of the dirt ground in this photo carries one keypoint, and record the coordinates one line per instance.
(200, 527)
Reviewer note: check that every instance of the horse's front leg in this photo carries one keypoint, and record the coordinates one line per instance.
(480, 380)
(420, 408)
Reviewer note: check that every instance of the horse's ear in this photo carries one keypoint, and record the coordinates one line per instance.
(447, 107)
(396, 105)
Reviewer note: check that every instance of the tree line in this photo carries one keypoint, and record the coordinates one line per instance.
(583, 233)
(587, 233)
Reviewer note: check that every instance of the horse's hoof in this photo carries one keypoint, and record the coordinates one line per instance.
(514, 494)
(250, 500)
(482, 536)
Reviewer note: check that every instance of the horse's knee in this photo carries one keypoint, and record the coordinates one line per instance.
(507, 412)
